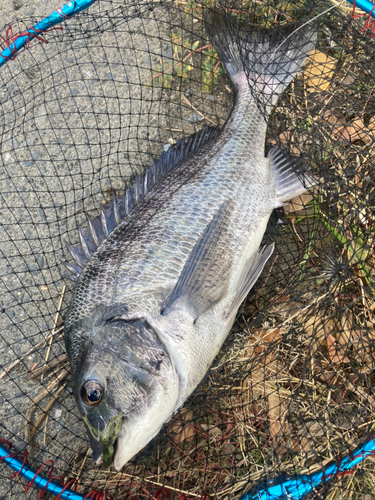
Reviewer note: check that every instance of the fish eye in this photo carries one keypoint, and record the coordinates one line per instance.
(92, 392)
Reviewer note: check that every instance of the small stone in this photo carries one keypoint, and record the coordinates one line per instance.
(195, 118)
(188, 93)
(173, 97)
(17, 4)
(167, 51)
(212, 98)
(34, 155)
(166, 147)
(20, 446)
(12, 142)
(74, 92)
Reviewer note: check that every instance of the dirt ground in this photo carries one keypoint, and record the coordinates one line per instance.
(78, 118)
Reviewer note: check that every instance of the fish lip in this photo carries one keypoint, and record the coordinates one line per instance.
(116, 457)
(97, 450)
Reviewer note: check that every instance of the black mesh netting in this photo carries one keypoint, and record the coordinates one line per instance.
(292, 387)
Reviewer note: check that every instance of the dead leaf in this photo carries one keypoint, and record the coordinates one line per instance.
(298, 204)
(353, 132)
(371, 125)
(328, 377)
(182, 429)
(333, 118)
(212, 431)
(344, 335)
(33, 366)
(317, 328)
(275, 413)
(284, 307)
(287, 138)
(318, 71)
(279, 430)
(335, 351)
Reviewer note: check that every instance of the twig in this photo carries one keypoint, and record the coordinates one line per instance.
(15, 363)
(186, 100)
(195, 109)
(45, 431)
(83, 463)
(54, 324)
(184, 492)
(33, 405)
(45, 411)
(52, 364)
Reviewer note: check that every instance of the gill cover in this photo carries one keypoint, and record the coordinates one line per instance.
(123, 368)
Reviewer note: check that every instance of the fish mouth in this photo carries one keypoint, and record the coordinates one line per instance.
(118, 460)
(97, 450)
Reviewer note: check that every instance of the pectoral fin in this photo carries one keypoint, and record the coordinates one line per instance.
(288, 184)
(251, 273)
(205, 276)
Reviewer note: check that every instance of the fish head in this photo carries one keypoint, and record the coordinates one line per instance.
(120, 367)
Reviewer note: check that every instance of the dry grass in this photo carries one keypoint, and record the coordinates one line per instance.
(295, 388)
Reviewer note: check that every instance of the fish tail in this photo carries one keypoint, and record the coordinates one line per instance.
(267, 60)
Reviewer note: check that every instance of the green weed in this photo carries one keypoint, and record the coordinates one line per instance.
(182, 64)
(352, 240)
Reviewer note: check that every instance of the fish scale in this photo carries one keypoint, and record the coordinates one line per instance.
(201, 182)
(157, 297)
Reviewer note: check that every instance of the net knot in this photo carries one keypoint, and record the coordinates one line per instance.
(14, 454)
(161, 494)
(98, 495)
(10, 39)
(369, 24)
(73, 482)
(30, 483)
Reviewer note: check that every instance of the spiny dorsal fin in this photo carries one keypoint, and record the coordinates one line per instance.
(204, 279)
(114, 213)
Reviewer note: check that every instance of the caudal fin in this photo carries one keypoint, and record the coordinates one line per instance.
(268, 59)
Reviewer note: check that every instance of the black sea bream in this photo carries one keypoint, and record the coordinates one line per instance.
(162, 273)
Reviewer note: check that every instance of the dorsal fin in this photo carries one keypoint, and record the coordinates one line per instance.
(114, 213)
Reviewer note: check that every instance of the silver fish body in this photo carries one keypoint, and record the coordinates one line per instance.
(158, 297)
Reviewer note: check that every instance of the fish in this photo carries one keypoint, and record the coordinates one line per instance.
(162, 272)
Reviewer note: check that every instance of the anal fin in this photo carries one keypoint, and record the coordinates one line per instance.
(288, 184)
(251, 273)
